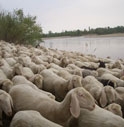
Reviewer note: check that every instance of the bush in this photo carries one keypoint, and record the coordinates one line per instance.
(17, 28)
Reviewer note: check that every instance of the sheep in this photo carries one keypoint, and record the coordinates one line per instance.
(108, 96)
(114, 108)
(36, 51)
(99, 117)
(56, 61)
(6, 54)
(25, 71)
(6, 104)
(87, 65)
(73, 66)
(82, 58)
(9, 71)
(120, 97)
(64, 61)
(101, 71)
(37, 60)
(55, 66)
(117, 82)
(37, 79)
(11, 61)
(86, 72)
(6, 85)
(75, 72)
(58, 85)
(31, 118)
(25, 61)
(19, 80)
(58, 112)
(36, 68)
(46, 58)
(66, 75)
(92, 85)
(118, 64)
(2, 76)
(91, 58)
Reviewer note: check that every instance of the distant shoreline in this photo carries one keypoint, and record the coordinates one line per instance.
(106, 35)
(89, 36)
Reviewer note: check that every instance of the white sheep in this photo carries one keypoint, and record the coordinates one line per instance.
(46, 58)
(58, 85)
(6, 85)
(99, 117)
(37, 79)
(118, 64)
(120, 97)
(9, 71)
(87, 65)
(6, 104)
(24, 60)
(92, 85)
(114, 72)
(86, 72)
(108, 95)
(117, 82)
(25, 71)
(56, 61)
(73, 67)
(11, 61)
(114, 108)
(66, 75)
(64, 61)
(2, 76)
(26, 98)
(19, 80)
(36, 68)
(31, 118)
(37, 60)
(75, 72)
(55, 66)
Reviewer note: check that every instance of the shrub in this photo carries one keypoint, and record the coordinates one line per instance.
(17, 28)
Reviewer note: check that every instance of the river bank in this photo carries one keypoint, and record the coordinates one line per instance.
(88, 36)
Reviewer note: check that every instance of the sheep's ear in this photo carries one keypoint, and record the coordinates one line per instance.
(110, 95)
(70, 85)
(103, 99)
(11, 101)
(74, 106)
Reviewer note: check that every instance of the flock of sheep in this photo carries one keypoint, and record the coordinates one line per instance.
(43, 87)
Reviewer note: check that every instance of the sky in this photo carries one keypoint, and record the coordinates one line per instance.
(61, 15)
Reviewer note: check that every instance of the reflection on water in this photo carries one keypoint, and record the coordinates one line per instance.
(101, 47)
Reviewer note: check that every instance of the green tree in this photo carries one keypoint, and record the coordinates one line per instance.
(17, 28)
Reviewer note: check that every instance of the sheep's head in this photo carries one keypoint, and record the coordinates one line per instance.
(108, 95)
(6, 103)
(115, 108)
(74, 82)
(7, 85)
(38, 81)
(80, 98)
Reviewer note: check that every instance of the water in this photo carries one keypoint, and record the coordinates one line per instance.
(99, 46)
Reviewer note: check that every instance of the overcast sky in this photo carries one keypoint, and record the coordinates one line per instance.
(61, 15)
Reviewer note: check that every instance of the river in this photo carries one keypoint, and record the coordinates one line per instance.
(112, 47)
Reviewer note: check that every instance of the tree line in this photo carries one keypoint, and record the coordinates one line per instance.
(98, 31)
